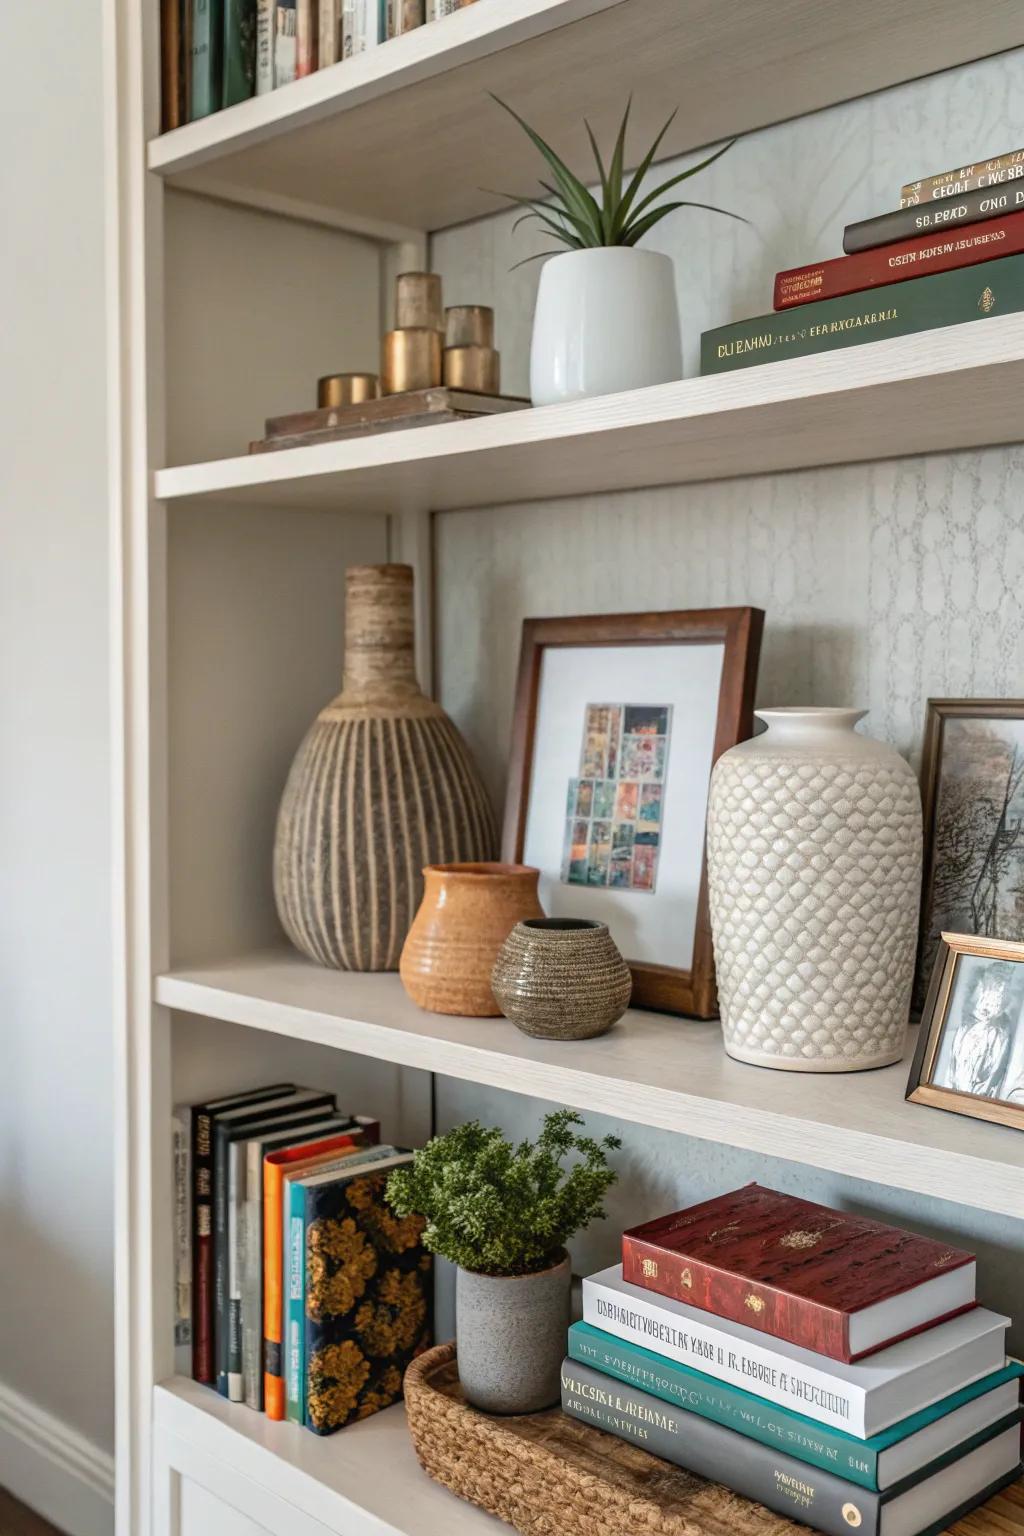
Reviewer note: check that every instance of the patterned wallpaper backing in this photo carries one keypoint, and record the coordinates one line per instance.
(882, 584)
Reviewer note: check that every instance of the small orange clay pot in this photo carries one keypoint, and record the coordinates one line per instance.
(467, 913)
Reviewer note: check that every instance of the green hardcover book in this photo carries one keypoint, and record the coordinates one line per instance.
(207, 53)
(878, 1463)
(239, 51)
(896, 309)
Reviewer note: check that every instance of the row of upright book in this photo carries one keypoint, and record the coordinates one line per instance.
(298, 1291)
(216, 53)
(953, 251)
(833, 1368)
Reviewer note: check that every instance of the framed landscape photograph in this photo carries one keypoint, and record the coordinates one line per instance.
(972, 790)
(970, 1051)
(618, 722)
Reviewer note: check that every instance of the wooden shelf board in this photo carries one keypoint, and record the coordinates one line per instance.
(365, 1479)
(408, 132)
(651, 1069)
(956, 388)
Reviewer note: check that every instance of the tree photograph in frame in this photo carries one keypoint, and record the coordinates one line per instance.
(972, 790)
(970, 1051)
(618, 722)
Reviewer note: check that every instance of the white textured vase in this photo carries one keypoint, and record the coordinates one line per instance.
(606, 319)
(814, 877)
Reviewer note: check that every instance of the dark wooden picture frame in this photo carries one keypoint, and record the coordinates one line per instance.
(920, 1087)
(938, 712)
(739, 631)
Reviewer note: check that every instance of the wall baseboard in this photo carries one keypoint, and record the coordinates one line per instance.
(54, 1469)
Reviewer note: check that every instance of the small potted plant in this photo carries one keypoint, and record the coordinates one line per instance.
(503, 1215)
(606, 316)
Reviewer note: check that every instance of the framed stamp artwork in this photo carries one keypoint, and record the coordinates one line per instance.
(970, 1050)
(972, 792)
(618, 721)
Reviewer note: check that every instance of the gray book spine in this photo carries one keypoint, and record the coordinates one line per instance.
(790, 1487)
(945, 213)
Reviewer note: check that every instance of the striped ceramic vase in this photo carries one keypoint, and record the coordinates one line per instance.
(382, 785)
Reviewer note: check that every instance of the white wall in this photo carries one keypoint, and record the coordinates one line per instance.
(882, 583)
(56, 1326)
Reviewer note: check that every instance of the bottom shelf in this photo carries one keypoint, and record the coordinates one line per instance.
(366, 1481)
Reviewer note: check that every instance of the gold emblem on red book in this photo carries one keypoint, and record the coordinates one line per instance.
(686, 1279)
(649, 1267)
(800, 1239)
(754, 1303)
(852, 1515)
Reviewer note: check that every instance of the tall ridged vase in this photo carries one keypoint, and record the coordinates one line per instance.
(814, 878)
(382, 785)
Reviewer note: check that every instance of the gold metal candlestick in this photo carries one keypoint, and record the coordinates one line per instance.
(418, 302)
(411, 359)
(336, 389)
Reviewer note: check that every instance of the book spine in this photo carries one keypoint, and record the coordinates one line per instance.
(252, 1279)
(284, 42)
(790, 1487)
(294, 1238)
(943, 252)
(896, 309)
(438, 8)
(949, 213)
(220, 1260)
(202, 1248)
(306, 16)
(366, 28)
(266, 16)
(796, 1319)
(404, 16)
(171, 73)
(792, 1433)
(206, 52)
(181, 1154)
(329, 44)
(239, 51)
(984, 173)
(824, 1397)
(236, 1267)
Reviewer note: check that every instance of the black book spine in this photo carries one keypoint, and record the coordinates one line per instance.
(926, 218)
(790, 1487)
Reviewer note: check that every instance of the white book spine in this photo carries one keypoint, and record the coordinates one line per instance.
(816, 1393)
(366, 28)
(438, 8)
(329, 32)
(285, 44)
(266, 19)
(181, 1153)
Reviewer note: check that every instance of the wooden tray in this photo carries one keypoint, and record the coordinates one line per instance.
(549, 1475)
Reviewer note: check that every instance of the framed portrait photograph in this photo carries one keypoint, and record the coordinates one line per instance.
(970, 1051)
(618, 722)
(972, 792)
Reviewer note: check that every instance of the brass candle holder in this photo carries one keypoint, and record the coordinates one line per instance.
(411, 358)
(418, 301)
(470, 360)
(336, 389)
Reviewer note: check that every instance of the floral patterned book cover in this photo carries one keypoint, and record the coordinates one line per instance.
(369, 1294)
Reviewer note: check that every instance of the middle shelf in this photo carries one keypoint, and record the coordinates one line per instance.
(651, 1069)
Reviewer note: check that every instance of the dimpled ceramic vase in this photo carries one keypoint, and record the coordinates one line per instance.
(382, 785)
(467, 912)
(814, 878)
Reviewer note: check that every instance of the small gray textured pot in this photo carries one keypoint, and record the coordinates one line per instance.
(561, 978)
(510, 1333)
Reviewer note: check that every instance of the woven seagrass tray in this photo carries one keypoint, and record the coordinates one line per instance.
(549, 1475)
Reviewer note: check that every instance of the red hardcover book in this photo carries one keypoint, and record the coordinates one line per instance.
(830, 1281)
(939, 251)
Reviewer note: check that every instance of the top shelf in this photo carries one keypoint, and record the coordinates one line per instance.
(407, 136)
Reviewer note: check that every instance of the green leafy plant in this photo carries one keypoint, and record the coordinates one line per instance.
(575, 218)
(499, 1209)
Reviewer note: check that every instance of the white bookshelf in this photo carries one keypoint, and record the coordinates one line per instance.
(227, 571)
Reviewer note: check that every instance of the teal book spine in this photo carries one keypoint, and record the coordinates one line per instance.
(207, 53)
(895, 309)
(294, 1249)
(239, 51)
(818, 1445)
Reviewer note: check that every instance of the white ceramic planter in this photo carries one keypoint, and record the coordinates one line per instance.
(510, 1336)
(606, 320)
(814, 878)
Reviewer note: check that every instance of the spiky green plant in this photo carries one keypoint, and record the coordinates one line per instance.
(574, 217)
(499, 1209)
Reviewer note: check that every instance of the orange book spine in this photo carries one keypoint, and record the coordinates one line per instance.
(274, 1168)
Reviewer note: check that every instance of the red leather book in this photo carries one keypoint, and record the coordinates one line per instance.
(830, 1281)
(937, 252)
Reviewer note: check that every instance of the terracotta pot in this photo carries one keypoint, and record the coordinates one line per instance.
(468, 911)
(561, 978)
(382, 783)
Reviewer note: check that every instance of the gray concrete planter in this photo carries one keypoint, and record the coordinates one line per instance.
(511, 1337)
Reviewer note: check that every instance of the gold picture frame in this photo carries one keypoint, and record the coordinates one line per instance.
(984, 1004)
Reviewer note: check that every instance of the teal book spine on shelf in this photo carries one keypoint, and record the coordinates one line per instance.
(819, 1445)
(895, 309)
(207, 54)
(294, 1299)
(239, 51)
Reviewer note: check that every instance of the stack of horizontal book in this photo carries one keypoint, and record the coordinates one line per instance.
(832, 1368)
(953, 251)
(296, 1289)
